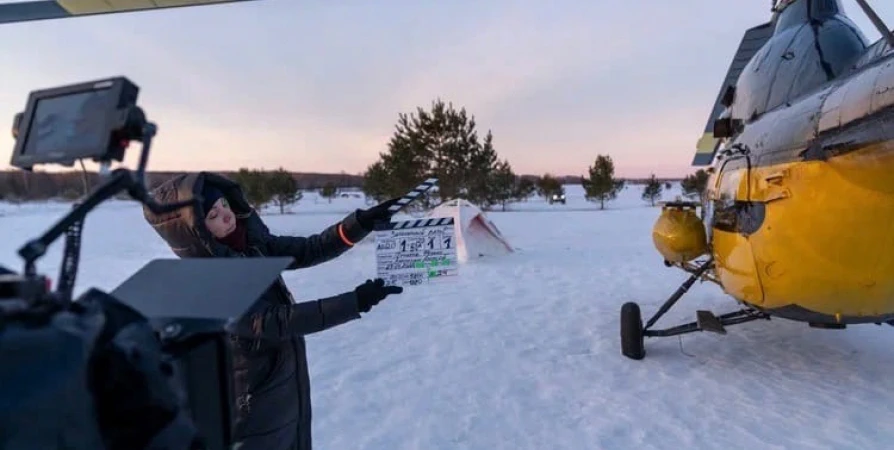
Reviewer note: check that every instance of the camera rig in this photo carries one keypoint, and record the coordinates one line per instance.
(94, 120)
(190, 316)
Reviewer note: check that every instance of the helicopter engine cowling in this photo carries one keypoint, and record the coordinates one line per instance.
(679, 234)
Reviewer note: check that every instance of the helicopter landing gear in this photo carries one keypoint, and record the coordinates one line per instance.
(633, 332)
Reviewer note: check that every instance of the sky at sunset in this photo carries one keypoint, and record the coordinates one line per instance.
(316, 86)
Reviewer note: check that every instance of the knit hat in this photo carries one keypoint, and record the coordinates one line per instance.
(210, 195)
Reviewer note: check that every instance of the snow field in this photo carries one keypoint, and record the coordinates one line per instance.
(522, 352)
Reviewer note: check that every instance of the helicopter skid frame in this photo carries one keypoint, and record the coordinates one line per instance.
(707, 321)
(633, 332)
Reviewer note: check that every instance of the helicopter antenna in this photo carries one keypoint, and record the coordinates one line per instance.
(877, 21)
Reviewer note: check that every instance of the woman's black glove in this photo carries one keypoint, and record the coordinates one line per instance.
(367, 218)
(371, 293)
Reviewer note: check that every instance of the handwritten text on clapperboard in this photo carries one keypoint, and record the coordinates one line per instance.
(414, 252)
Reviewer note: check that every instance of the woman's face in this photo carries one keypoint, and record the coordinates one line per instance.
(220, 221)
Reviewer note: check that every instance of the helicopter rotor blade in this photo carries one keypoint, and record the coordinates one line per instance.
(63, 9)
(877, 21)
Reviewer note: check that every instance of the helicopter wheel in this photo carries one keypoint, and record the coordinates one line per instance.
(632, 345)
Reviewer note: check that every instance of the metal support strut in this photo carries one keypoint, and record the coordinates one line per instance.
(678, 294)
(716, 323)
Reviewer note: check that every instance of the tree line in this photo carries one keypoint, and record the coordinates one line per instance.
(23, 186)
(279, 187)
(443, 142)
(440, 142)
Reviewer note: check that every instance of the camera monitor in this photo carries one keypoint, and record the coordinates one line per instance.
(74, 122)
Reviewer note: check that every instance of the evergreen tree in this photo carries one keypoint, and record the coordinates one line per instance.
(652, 190)
(254, 186)
(375, 182)
(329, 191)
(548, 185)
(601, 184)
(524, 188)
(696, 185)
(440, 142)
(283, 188)
(484, 165)
(503, 185)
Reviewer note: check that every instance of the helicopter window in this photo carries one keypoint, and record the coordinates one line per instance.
(825, 7)
(870, 56)
(793, 14)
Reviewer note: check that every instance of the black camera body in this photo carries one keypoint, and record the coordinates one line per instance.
(148, 365)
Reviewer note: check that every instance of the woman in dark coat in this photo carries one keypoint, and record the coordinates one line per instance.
(272, 381)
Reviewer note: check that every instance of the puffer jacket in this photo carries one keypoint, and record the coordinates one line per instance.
(271, 374)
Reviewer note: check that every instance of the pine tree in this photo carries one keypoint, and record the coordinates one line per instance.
(440, 142)
(548, 185)
(483, 166)
(255, 187)
(399, 169)
(503, 185)
(524, 188)
(283, 187)
(375, 182)
(329, 191)
(601, 184)
(652, 190)
(696, 185)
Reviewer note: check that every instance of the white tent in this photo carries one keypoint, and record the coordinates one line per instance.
(476, 235)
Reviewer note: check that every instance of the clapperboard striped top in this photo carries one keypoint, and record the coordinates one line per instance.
(413, 195)
(418, 223)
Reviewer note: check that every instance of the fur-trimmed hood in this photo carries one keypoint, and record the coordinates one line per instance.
(184, 229)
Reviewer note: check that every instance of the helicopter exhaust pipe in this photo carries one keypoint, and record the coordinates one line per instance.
(877, 21)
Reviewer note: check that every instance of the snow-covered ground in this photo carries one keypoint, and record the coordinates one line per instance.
(522, 352)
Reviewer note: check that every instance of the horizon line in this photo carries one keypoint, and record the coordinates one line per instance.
(327, 174)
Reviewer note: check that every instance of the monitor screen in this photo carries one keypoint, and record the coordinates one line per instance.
(69, 124)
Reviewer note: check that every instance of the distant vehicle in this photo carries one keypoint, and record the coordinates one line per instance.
(557, 198)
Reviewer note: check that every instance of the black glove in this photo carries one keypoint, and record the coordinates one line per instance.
(371, 293)
(367, 218)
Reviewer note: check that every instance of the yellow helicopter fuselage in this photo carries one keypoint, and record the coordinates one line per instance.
(823, 250)
(797, 213)
(800, 204)
(801, 199)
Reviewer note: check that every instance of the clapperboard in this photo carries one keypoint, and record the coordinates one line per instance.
(414, 252)
(413, 195)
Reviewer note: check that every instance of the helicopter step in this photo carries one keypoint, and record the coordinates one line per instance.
(827, 326)
(707, 321)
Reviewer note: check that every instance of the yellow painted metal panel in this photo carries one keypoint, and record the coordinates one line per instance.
(706, 143)
(80, 7)
(825, 243)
